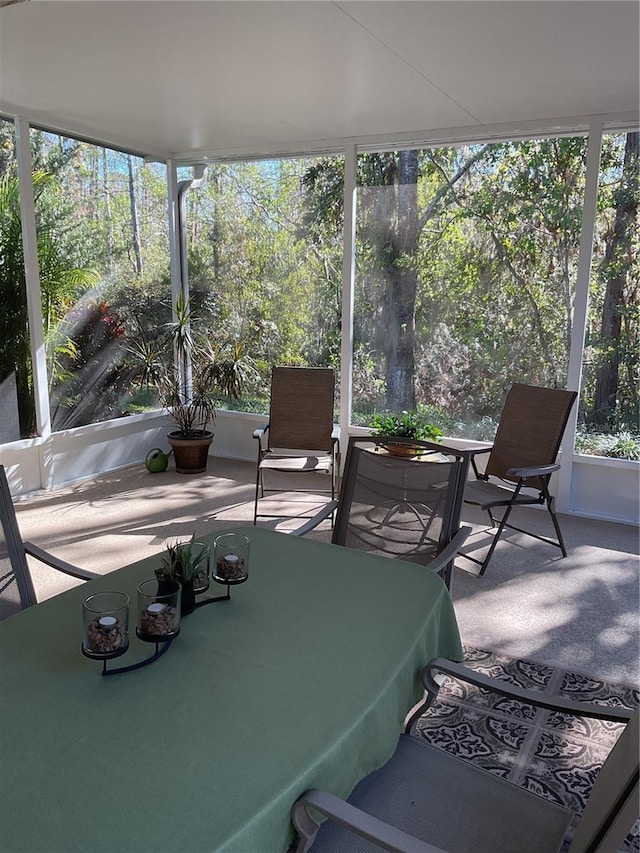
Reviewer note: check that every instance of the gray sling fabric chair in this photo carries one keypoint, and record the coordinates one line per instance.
(522, 460)
(300, 437)
(16, 586)
(400, 507)
(425, 800)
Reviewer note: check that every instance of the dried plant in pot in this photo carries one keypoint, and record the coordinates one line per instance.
(192, 410)
(201, 368)
(405, 426)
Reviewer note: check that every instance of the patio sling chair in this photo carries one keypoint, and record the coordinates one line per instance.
(16, 586)
(425, 799)
(300, 437)
(402, 507)
(522, 459)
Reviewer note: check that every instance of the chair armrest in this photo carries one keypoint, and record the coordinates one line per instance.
(532, 697)
(354, 819)
(313, 522)
(57, 563)
(535, 471)
(260, 431)
(450, 551)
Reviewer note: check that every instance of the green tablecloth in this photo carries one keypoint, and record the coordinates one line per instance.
(301, 680)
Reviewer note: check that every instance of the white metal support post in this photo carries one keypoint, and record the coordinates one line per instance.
(177, 191)
(34, 298)
(580, 310)
(175, 251)
(173, 213)
(348, 278)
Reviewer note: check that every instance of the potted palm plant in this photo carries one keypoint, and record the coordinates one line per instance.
(192, 410)
(187, 387)
(406, 426)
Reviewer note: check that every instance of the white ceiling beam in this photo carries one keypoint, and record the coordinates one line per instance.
(568, 126)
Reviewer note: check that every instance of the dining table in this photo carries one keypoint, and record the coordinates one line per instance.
(301, 678)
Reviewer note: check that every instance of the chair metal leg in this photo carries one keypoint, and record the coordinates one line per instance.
(554, 518)
(496, 538)
(258, 485)
(501, 527)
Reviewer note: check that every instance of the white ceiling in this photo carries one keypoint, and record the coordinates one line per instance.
(189, 78)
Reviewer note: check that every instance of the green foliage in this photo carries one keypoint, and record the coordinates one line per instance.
(405, 425)
(623, 445)
(465, 258)
(59, 281)
(203, 367)
(183, 561)
(87, 366)
(229, 368)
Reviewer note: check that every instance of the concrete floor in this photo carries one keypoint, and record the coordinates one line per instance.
(581, 613)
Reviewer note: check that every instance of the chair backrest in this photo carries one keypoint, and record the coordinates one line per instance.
(612, 807)
(396, 506)
(16, 587)
(301, 408)
(531, 427)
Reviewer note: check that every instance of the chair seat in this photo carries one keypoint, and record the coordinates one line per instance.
(486, 495)
(296, 463)
(451, 804)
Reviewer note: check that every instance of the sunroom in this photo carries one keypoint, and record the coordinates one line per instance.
(436, 198)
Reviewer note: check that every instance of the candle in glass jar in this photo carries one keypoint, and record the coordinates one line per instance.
(107, 622)
(156, 608)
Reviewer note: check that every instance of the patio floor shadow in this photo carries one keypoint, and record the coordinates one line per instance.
(581, 612)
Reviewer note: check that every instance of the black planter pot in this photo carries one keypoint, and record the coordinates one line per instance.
(188, 598)
(166, 587)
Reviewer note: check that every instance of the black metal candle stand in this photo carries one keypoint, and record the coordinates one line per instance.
(162, 643)
(228, 582)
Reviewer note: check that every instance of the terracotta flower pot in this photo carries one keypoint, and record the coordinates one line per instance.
(406, 450)
(191, 454)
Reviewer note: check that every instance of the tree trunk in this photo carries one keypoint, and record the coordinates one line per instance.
(134, 218)
(107, 206)
(400, 361)
(400, 253)
(615, 266)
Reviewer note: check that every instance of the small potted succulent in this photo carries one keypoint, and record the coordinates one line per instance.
(406, 426)
(188, 563)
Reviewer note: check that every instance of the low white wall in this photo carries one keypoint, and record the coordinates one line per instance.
(606, 488)
(233, 435)
(600, 487)
(21, 460)
(77, 454)
(84, 452)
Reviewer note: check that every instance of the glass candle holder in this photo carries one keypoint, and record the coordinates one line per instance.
(201, 580)
(105, 618)
(158, 610)
(231, 558)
